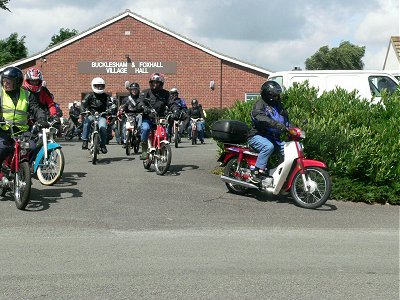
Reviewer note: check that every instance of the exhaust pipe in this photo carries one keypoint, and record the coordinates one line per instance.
(238, 182)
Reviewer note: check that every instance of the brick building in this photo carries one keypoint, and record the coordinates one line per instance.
(128, 47)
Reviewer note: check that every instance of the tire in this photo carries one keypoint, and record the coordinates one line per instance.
(147, 164)
(194, 137)
(50, 174)
(95, 149)
(22, 186)
(321, 186)
(176, 136)
(67, 135)
(136, 144)
(229, 171)
(128, 142)
(163, 158)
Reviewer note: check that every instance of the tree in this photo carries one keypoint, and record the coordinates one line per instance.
(12, 49)
(3, 4)
(63, 34)
(345, 57)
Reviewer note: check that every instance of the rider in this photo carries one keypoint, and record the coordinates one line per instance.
(130, 105)
(179, 109)
(74, 114)
(269, 121)
(15, 107)
(39, 93)
(155, 97)
(95, 102)
(196, 111)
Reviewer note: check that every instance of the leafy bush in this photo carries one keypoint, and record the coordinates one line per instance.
(358, 141)
(213, 114)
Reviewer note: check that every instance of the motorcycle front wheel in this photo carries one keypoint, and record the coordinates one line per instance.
(22, 186)
(176, 136)
(229, 171)
(162, 159)
(95, 149)
(128, 142)
(49, 173)
(319, 188)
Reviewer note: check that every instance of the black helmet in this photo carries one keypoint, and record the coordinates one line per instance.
(15, 74)
(269, 90)
(195, 102)
(134, 86)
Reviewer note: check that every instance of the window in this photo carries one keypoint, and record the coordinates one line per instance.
(379, 83)
(251, 96)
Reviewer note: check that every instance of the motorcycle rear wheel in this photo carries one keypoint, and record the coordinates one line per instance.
(50, 174)
(229, 171)
(319, 183)
(163, 158)
(22, 186)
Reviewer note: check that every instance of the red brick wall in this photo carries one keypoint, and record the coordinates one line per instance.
(195, 68)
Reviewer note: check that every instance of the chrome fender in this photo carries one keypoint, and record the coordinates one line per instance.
(40, 155)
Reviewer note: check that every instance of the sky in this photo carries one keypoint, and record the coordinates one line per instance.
(276, 35)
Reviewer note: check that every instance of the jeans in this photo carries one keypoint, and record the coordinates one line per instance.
(102, 129)
(147, 125)
(265, 147)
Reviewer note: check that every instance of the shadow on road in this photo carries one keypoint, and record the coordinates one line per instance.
(175, 170)
(41, 199)
(266, 197)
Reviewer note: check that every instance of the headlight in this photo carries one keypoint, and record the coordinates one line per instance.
(302, 134)
(24, 145)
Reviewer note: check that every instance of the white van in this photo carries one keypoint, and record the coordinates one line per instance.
(369, 84)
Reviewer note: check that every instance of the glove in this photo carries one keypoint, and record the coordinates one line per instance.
(282, 127)
(146, 110)
(43, 124)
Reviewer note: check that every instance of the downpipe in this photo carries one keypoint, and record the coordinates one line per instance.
(238, 182)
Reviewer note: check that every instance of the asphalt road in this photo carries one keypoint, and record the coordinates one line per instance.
(117, 231)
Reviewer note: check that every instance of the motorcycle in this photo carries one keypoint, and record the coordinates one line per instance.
(94, 135)
(159, 151)
(70, 134)
(174, 123)
(16, 170)
(307, 180)
(49, 162)
(132, 133)
(195, 124)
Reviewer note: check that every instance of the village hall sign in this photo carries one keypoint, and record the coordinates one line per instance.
(126, 67)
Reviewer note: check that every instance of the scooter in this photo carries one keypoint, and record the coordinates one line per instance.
(307, 180)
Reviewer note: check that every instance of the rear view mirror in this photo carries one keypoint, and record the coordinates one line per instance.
(127, 85)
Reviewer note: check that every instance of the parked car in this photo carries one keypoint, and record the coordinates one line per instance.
(368, 83)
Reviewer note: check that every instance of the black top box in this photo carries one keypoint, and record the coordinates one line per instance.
(230, 131)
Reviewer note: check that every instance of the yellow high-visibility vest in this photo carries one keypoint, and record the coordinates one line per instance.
(17, 114)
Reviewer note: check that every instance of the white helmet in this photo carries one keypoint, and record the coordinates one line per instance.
(98, 85)
(174, 90)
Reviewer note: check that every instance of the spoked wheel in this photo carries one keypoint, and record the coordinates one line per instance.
(147, 163)
(128, 142)
(163, 159)
(319, 188)
(95, 150)
(230, 171)
(51, 171)
(22, 186)
(176, 136)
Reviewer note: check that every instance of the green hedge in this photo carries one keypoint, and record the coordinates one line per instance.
(359, 142)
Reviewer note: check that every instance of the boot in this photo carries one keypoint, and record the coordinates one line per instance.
(255, 176)
(144, 150)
